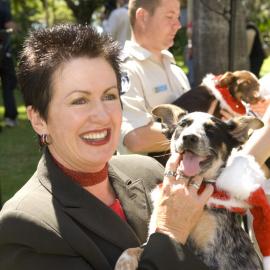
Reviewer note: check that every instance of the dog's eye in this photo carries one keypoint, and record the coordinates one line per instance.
(184, 123)
(208, 126)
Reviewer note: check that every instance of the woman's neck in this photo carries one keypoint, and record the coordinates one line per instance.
(96, 183)
(103, 191)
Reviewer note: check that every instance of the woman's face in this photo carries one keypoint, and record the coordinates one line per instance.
(85, 114)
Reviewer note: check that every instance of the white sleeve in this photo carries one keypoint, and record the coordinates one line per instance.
(135, 113)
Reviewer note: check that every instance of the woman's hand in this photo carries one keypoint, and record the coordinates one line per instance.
(260, 107)
(180, 206)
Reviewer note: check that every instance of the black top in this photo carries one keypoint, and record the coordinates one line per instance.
(5, 14)
(257, 54)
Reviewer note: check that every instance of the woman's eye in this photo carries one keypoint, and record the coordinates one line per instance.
(109, 97)
(79, 101)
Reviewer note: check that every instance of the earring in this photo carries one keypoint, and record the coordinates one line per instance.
(44, 140)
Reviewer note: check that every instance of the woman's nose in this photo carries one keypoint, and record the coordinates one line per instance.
(99, 112)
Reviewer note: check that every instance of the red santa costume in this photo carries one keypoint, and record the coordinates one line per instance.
(240, 187)
(223, 95)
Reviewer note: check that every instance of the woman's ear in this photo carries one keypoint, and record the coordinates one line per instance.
(37, 122)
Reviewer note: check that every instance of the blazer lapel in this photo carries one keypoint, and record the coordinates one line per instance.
(134, 199)
(85, 208)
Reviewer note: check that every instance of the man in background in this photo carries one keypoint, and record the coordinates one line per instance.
(7, 71)
(152, 75)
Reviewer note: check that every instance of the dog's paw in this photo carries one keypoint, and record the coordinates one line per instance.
(129, 259)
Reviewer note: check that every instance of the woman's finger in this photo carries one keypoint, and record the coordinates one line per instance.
(195, 183)
(170, 169)
(205, 195)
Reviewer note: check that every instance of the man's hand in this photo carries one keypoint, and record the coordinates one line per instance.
(226, 115)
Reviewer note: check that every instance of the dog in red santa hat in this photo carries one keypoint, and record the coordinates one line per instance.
(233, 91)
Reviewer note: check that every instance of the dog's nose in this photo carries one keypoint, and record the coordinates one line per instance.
(190, 139)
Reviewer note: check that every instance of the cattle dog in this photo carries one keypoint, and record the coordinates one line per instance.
(205, 143)
(233, 91)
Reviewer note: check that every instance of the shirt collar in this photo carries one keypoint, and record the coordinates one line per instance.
(135, 50)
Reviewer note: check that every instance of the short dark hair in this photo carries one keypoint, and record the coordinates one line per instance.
(149, 5)
(46, 49)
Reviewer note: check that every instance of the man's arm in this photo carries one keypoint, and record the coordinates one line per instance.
(147, 139)
(139, 133)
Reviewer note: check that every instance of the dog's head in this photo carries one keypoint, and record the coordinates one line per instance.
(243, 85)
(203, 140)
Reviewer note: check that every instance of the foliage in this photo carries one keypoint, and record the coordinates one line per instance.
(84, 9)
(180, 42)
(41, 13)
(30, 15)
(258, 11)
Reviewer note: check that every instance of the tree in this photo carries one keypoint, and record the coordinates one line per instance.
(30, 15)
(84, 9)
(218, 37)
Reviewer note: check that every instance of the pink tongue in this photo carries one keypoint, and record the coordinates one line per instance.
(191, 164)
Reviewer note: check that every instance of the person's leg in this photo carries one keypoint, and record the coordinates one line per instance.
(9, 81)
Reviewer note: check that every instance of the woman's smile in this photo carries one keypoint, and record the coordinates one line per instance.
(98, 137)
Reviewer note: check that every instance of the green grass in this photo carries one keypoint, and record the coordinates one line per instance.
(19, 153)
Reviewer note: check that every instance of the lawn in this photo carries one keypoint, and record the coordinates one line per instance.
(19, 151)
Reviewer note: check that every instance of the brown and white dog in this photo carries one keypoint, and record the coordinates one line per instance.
(233, 91)
(205, 144)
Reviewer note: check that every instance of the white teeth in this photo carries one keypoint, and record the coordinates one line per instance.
(96, 135)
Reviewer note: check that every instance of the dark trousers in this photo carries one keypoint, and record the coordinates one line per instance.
(9, 81)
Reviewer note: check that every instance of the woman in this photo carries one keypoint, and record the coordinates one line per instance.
(83, 206)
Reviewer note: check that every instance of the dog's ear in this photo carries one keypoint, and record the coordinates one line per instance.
(240, 127)
(169, 115)
(227, 79)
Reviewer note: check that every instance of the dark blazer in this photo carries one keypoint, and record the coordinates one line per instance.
(53, 223)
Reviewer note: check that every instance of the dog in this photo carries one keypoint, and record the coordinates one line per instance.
(205, 143)
(233, 91)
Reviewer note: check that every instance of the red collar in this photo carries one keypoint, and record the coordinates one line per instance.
(235, 105)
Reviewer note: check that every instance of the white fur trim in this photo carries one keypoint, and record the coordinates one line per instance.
(241, 176)
(266, 263)
(155, 193)
(228, 204)
(209, 82)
